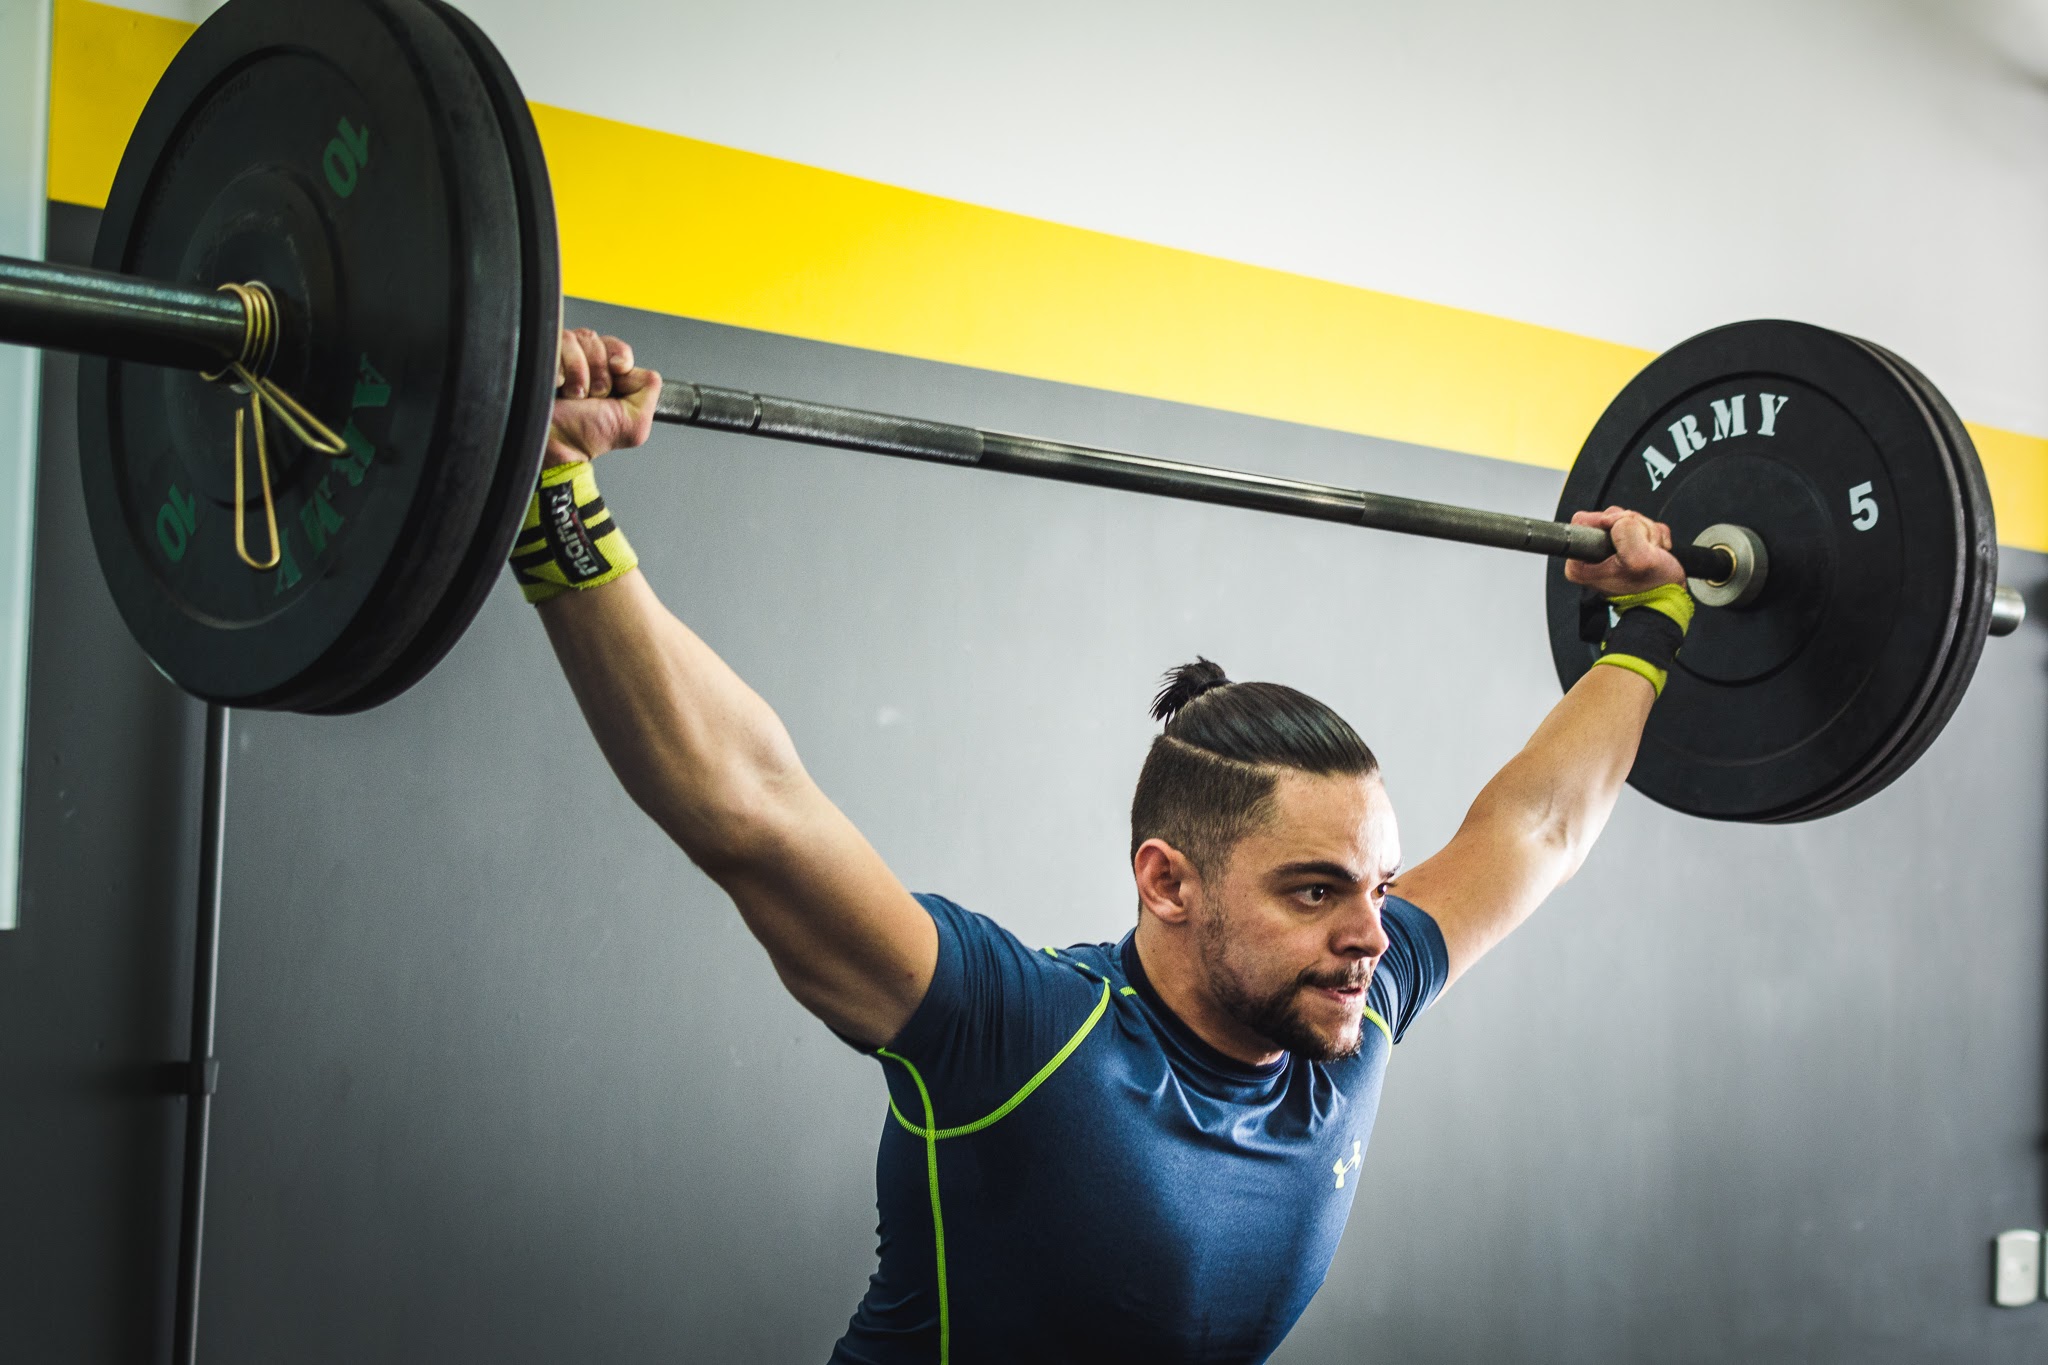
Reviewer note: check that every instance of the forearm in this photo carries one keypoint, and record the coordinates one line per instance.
(1531, 826)
(1554, 796)
(693, 745)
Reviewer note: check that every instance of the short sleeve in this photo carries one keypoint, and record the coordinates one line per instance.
(1412, 972)
(995, 1012)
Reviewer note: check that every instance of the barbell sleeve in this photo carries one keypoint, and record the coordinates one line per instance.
(2008, 610)
(97, 312)
(823, 424)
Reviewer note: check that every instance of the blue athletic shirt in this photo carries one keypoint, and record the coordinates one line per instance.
(1068, 1174)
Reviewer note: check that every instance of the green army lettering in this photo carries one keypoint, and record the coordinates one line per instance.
(319, 519)
(287, 564)
(372, 391)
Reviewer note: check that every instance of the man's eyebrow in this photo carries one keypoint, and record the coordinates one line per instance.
(1336, 872)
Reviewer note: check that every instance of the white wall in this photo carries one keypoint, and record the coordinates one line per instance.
(1635, 170)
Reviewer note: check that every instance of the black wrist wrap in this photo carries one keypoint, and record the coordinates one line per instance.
(1646, 634)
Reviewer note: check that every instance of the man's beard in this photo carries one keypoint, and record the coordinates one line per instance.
(1277, 1016)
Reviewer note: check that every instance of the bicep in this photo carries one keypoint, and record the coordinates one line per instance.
(709, 760)
(846, 937)
(1488, 879)
(1532, 825)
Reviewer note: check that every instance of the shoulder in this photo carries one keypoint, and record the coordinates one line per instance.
(976, 935)
(1097, 962)
(981, 943)
(1412, 927)
(995, 1011)
(986, 973)
(1413, 970)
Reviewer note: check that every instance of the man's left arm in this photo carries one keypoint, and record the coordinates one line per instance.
(1532, 826)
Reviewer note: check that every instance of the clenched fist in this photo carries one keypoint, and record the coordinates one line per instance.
(1642, 557)
(602, 403)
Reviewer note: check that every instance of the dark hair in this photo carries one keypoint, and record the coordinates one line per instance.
(1209, 777)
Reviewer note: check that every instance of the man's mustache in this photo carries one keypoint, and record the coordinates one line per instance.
(1339, 979)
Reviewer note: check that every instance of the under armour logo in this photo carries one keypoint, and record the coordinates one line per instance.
(1343, 1167)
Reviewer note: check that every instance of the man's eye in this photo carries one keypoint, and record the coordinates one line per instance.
(1314, 895)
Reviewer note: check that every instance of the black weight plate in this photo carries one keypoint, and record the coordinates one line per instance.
(1980, 588)
(1883, 763)
(345, 153)
(1786, 707)
(540, 321)
(415, 620)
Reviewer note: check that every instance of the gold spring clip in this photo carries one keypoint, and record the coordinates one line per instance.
(244, 375)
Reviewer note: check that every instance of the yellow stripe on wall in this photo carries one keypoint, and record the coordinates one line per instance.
(735, 237)
(2016, 466)
(104, 63)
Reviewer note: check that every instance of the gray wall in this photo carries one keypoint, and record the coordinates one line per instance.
(503, 1078)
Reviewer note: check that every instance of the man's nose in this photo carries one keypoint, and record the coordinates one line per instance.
(1363, 935)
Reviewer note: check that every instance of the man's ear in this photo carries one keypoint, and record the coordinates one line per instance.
(1167, 881)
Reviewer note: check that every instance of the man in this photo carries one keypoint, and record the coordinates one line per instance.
(1140, 1151)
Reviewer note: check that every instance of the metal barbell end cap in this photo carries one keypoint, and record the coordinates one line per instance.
(1752, 566)
(2008, 610)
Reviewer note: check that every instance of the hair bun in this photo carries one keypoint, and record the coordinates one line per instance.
(1184, 684)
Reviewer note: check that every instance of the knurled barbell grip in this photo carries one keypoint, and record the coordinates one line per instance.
(792, 419)
(824, 424)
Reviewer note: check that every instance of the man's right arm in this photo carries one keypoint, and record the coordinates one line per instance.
(708, 759)
(712, 764)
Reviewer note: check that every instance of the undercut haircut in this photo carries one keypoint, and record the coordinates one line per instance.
(1209, 777)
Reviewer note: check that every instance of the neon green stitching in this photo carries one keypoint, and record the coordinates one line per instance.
(1081, 967)
(1128, 990)
(932, 1134)
(1378, 1022)
(1022, 1095)
(931, 1163)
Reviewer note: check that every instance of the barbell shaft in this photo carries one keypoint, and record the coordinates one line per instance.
(822, 424)
(125, 318)
(97, 312)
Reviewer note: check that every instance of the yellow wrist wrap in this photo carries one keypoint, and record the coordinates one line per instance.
(1642, 668)
(1670, 598)
(569, 539)
(1644, 643)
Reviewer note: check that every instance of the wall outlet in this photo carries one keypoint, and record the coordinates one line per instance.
(2016, 1268)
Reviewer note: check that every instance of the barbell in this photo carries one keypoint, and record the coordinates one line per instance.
(335, 215)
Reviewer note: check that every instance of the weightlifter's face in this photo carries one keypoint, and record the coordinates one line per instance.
(1289, 927)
